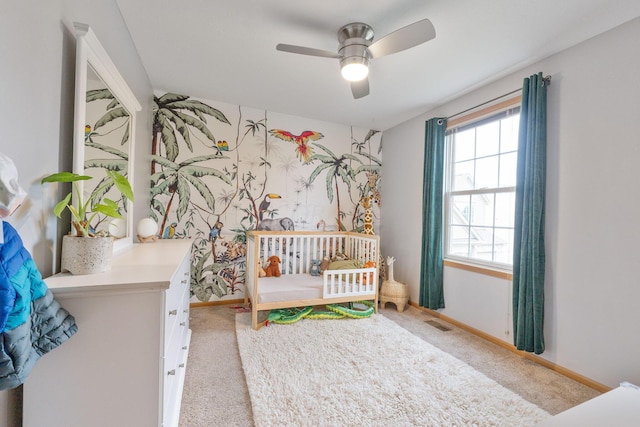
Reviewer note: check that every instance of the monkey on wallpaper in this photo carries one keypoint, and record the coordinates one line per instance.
(215, 231)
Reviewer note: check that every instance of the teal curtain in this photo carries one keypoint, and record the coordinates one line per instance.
(431, 291)
(528, 253)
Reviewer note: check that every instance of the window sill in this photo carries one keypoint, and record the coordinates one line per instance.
(501, 274)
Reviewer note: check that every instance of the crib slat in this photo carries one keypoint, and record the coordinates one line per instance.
(315, 248)
(304, 254)
(280, 253)
(297, 246)
(299, 254)
(310, 249)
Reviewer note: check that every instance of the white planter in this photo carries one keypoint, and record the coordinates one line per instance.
(86, 255)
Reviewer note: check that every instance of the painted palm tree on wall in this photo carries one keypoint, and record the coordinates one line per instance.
(170, 115)
(368, 187)
(371, 169)
(336, 168)
(177, 179)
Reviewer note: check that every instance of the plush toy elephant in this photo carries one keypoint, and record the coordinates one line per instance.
(278, 224)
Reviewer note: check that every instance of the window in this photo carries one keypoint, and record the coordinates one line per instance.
(480, 188)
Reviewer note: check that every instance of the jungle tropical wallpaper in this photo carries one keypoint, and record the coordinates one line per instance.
(219, 170)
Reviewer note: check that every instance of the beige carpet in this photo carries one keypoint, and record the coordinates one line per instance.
(216, 394)
(367, 372)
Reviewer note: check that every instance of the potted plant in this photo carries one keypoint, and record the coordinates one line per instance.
(85, 251)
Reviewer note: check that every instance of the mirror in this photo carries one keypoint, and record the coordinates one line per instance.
(104, 124)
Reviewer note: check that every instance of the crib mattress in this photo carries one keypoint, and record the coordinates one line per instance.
(289, 287)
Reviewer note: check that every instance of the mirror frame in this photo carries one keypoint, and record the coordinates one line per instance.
(90, 52)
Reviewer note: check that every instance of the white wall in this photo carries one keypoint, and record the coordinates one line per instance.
(37, 72)
(465, 289)
(592, 287)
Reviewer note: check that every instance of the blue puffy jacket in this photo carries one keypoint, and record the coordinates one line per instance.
(31, 320)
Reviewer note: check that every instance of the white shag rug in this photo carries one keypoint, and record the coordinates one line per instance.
(367, 372)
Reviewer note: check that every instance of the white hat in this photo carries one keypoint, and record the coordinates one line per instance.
(11, 194)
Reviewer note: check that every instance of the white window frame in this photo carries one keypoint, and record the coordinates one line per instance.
(476, 118)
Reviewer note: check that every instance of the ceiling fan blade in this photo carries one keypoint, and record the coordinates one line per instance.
(306, 51)
(360, 88)
(403, 38)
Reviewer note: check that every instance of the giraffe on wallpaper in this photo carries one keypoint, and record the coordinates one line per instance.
(367, 204)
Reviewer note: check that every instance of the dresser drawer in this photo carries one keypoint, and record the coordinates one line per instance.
(169, 389)
(177, 320)
(175, 302)
(184, 311)
(176, 353)
(179, 282)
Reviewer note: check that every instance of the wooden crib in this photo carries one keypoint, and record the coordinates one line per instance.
(296, 287)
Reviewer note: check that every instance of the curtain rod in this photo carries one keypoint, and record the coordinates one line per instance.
(545, 81)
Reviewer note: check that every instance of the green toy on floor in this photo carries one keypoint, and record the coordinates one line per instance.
(335, 311)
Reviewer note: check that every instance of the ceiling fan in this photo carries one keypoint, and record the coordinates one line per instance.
(357, 48)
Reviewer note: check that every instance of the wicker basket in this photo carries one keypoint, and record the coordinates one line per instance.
(395, 292)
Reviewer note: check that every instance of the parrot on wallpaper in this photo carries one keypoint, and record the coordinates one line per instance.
(169, 231)
(87, 132)
(303, 151)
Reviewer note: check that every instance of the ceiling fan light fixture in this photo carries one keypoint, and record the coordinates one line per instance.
(355, 69)
(357, 48)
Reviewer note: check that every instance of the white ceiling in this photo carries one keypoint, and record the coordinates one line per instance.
(224, 50)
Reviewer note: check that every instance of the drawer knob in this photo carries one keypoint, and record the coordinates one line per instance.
(183, 281)
(171, 372)
(181, 365)
(173, 312)
(184, 347)
(183, 323)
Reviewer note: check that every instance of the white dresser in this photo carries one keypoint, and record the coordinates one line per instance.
(125, 366)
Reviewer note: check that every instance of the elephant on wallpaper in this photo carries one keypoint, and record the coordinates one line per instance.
(277, 224)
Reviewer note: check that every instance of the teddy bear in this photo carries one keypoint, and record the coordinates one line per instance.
(365, 279)
(273, 269)
(324, 264)
(315, 267)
